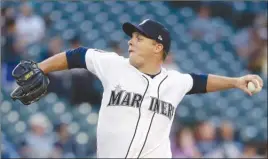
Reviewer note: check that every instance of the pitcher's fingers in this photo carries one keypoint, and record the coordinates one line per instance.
(259, 80)
(246, 90)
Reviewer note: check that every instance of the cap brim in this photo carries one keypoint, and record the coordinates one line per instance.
(129, 28)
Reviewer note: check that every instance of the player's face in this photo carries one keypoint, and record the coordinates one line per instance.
(140, 49)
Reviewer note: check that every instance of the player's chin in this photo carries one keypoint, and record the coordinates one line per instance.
(132, 56)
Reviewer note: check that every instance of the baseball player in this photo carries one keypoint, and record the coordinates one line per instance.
(140, 96)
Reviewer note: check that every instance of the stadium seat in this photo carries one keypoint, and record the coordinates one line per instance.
(93, 9)
(58, 108)
(66, 117)
(73, 128)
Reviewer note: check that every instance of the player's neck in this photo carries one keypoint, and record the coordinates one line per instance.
(151, 69)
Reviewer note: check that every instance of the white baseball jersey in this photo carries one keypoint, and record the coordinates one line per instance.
(137, 111)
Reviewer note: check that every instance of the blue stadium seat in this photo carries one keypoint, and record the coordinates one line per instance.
(45, 8)
(73, 128)
(117, 9)
(66, 117)
(78, 17)
(124, 18)
(93, 8)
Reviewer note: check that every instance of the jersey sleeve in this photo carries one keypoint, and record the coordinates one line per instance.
(199, 83)
(188, 81)
(102, 64)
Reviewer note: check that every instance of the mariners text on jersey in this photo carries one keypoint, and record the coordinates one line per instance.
(130, 99)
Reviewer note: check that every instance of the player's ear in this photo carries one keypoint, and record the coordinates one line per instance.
(158, 47)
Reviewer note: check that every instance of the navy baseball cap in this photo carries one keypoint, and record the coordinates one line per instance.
(151, 29)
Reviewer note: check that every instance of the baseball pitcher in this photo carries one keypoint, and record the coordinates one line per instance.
(140, 96)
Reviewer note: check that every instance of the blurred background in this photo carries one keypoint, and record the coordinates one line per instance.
(224, 38)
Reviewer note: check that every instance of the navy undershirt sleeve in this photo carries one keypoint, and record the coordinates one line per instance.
(199, 83)
(76, 58)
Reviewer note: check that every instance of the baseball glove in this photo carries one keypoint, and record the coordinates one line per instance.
(32, 82)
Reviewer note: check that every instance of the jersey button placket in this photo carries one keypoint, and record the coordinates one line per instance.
(146, 116)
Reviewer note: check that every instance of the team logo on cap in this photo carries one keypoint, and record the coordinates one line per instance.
(160, 37)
